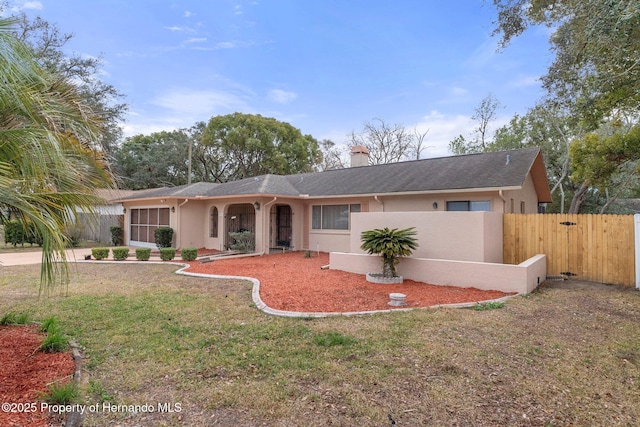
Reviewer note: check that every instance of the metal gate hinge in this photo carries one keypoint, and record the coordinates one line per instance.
(568, 223)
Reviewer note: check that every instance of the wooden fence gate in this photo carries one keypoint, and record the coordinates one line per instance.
(598, 248)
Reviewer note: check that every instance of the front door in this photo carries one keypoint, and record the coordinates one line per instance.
(283, 226)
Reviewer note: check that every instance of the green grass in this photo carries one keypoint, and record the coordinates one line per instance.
(484, 306)
(556, 357)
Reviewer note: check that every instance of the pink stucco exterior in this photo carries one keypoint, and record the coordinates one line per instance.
(454, 248)
(521, 279)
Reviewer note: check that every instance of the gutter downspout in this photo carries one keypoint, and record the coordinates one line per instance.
(265, 227)
(504, 201)
(379, 201)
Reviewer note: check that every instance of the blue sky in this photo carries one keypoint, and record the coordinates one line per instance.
(325, 66)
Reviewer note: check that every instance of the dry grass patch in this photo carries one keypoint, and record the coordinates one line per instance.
(557, 357)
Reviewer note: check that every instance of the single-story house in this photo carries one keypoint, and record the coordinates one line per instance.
(313, 210)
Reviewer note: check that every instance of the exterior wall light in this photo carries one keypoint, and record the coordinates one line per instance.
(256, 205)
(173, 209)
(435, 205)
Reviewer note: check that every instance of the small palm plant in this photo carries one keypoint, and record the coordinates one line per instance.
(391, 245)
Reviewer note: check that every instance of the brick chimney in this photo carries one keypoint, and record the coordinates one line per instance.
(359, 156)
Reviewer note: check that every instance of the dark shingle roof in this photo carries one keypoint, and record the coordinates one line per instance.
(473, 171)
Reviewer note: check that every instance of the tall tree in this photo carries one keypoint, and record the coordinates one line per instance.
(250, 145)
(547, 127)
(48, 164)
(156, 160)
(333, 156)
(484, 114)
(596, 70)
(599, 157)
(48, 44)
(388, 143)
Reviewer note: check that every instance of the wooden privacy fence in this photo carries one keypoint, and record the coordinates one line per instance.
(598, 248)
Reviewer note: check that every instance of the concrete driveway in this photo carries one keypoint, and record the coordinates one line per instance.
(35, 257)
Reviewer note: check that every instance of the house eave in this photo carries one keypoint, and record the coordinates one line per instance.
(333, 196)
(418, 193)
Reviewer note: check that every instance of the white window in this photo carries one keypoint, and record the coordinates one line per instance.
(467, 205)
(332, 217)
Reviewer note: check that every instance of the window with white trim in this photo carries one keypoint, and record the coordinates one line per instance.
(469, 205)
(332, 217)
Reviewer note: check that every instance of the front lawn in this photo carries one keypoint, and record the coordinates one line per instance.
(557, 357)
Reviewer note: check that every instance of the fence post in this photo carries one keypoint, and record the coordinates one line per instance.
(636, 227)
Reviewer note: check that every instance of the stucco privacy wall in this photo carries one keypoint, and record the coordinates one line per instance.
(522, 278)
(462, 236)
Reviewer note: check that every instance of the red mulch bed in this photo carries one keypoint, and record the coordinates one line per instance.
(25, 373)
(287, 282)
(294, 283)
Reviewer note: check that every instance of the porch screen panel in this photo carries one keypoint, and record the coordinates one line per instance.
(145, 221)
(163, 220)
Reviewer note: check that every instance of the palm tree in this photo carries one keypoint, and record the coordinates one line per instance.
(390, 244)
(48, 166)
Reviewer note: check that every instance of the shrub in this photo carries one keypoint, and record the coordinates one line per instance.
(143, 254)
(100, 253)
(33, 236)
(167, 254)
(163, 237)
(244, 241)
(14, 233)
(120, 254)
(117, 235)
(72, 232)
(189, 254)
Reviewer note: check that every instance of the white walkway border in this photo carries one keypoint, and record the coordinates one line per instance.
(255, 294)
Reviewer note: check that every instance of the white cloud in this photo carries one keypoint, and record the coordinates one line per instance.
(34, 5)
(442, 129)
(175, 28)
(459, 91)
(483, 53)
(199, 104)
(188, 14)
(281, 96)
(196, 40)
(525, 81)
